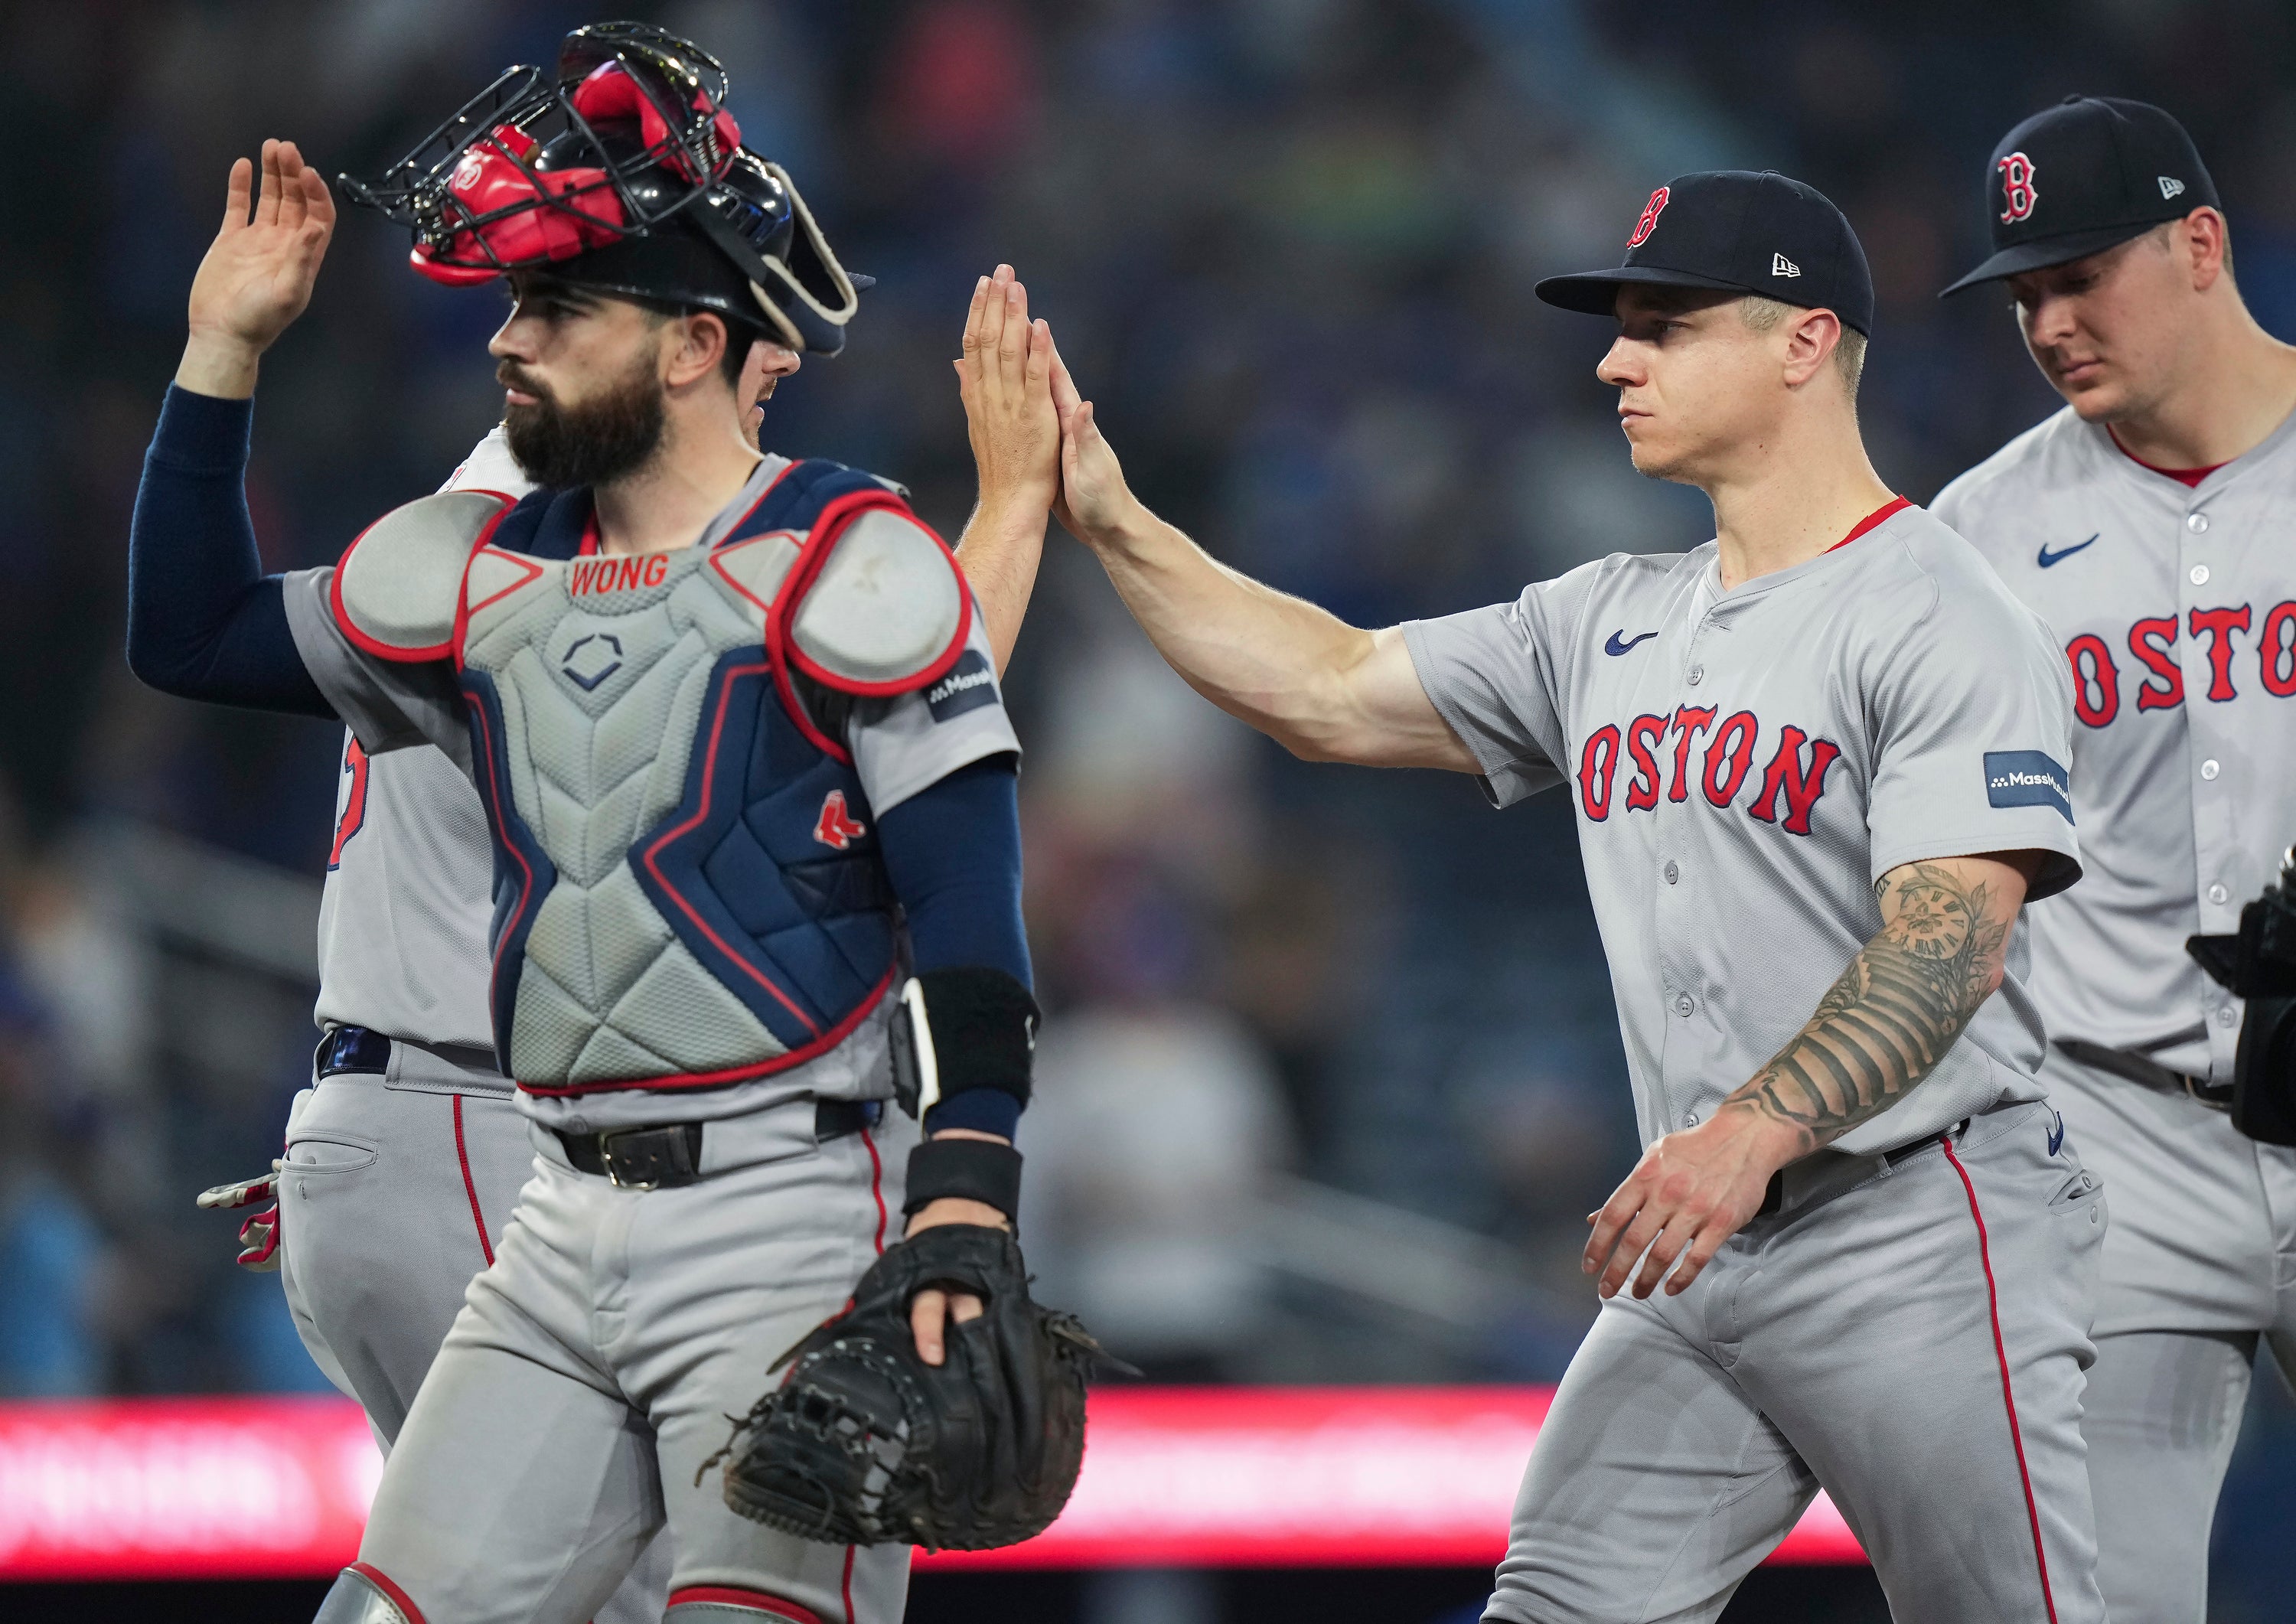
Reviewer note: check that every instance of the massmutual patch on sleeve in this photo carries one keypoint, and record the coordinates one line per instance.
(2026, 778)
(969, 685)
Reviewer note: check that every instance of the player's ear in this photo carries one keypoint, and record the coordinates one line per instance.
(1811, 339)
(693, 347)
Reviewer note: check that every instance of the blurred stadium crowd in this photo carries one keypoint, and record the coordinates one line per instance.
(1331, 1071)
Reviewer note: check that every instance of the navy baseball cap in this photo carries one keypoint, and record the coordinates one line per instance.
(1733, 231)
(2086, 176)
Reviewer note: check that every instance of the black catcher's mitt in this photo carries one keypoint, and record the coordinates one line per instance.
(863, 1443)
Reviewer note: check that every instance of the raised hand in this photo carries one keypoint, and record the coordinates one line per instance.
(257, 274)
(1005, 380)
(1094, 499)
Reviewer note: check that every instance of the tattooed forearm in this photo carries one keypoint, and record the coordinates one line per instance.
(1885, 1024)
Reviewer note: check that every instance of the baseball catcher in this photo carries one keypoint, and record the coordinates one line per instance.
(751, 790)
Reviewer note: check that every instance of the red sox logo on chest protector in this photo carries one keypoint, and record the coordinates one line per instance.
(1791, 781)
(836, 828)
(2152, 643)
(2017, 189)
(1649, 222)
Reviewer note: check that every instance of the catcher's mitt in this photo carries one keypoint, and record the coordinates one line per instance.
(863, 1443)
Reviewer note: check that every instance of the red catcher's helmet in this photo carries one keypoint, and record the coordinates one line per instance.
(624, 172)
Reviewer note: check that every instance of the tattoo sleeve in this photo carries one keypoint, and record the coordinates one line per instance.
(1884, 1025)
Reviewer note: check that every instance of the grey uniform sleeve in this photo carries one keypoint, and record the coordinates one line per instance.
(1973, 730)
(388, 704)
(1498, 674)
(911, 743)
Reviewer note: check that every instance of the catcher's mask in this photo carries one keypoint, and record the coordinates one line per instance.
(622, 172)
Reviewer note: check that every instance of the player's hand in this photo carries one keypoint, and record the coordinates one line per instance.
(258, 273)
(1691, 1192)
(1094, 502)
(1005, 380)
(931, 1314)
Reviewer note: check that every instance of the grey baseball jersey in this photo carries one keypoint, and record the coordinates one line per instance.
(1745, 764)
(404, 914)
(2175, 607)
(2174, 601)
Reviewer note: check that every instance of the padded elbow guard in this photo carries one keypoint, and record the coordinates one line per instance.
(959, 1029)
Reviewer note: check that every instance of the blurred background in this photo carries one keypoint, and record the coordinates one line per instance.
(1330, 1070)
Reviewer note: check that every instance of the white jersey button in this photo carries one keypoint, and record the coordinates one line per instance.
(2198, 523)
(2200, 575)
(1690, 1119)
(1697, 675)
(1684, 1003)
(2227, 1016)
(2208, 770)
(2217, 894)
(1672, 873)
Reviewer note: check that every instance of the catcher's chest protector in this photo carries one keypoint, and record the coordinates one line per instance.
(688, 888)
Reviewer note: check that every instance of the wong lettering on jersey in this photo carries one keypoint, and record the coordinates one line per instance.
(1744, 779)
(2175, 618)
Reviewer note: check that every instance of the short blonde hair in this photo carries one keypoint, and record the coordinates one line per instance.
(1762, 314)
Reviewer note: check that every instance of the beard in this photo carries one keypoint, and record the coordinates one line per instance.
(600, 441)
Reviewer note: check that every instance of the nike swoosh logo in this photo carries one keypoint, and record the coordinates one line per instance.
(1620, 642)
(2057, 1137)
(2062, 553)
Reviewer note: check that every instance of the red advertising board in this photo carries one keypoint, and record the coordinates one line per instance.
(1172, 1477)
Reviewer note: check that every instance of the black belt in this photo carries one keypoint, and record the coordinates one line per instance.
(352, 1048)
(1773, 1199)
(665, 1156)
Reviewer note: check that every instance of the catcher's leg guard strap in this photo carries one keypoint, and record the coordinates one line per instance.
(726, 1605)
(362, 1595)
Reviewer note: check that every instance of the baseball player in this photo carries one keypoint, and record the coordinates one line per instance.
(1818, 766)
(2148, 523)
(709, 713)
(405, 1156)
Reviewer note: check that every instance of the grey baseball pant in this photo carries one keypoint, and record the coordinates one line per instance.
(396, 1189)
(2199, 1265)
(594, 1368)
(1911, 1338)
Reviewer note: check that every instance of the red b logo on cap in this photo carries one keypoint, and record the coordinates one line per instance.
(2017, 187)
(1649, 222)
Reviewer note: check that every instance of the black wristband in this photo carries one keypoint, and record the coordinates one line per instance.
(971, 1169)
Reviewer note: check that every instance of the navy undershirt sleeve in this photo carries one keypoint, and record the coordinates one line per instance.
(204, 622)
(953, 852)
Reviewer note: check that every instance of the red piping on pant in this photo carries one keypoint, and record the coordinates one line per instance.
(876, 1185)
(848, 1586)
(756, 1601)
(381, 1581)
(469, 1185)
(2008, 1398)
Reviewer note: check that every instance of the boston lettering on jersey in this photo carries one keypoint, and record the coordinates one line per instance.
(2159, 679)
(1786, 793)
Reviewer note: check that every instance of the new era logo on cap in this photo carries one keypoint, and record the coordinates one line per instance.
(1780, 265)
(2169, 185)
